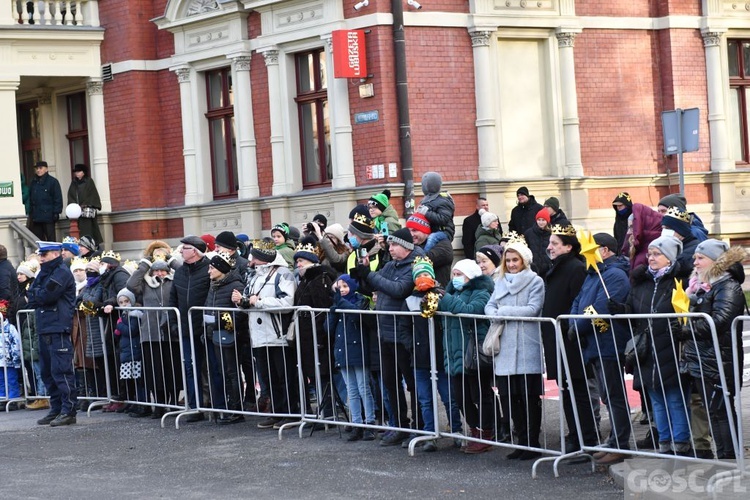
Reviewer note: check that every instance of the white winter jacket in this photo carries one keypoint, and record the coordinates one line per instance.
(274, 285)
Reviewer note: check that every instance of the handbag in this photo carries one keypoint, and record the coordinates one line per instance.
(88, 213)
(475, 359)
(491, 344)
(636, 351)
(223, 338)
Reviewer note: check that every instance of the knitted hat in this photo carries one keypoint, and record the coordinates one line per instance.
(403, 238)
(431, 183)
(606, 240)
(380, 200)
(210, 241)
(263, 254)
(418, 222)
(29, 268)
(336, 230)
(226, 239)
(362, 224)
(669, 247)
(88, 243)
(76, 264)
(4, 305)
(522, 190)
(321, 220)
(678, 220)
(521, 249)
(543, 214)
(196, 242)
(111, 258)
(422, 265)
(222, 262)
(674, 200)
(623, 198)
(712, 248)
(468, 268)
(488, 218)
(307, 249)
(353, 285)
(553, 203)
(93, 266)
(243, 237)
(70, 244)
(492, 252)
(283, 228)
(126, 293)
(160, 265)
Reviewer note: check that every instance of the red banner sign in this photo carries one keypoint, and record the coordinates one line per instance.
(349, 60)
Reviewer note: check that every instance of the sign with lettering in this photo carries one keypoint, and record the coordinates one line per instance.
(366, 117)
(349, 59)
(6, 189)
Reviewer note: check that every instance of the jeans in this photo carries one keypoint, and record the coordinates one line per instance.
(194, 392)
(433, 239)
(611, 381)
(424, 395)
(11, 380)
(41, 390)
(358, 391)
(670, 414)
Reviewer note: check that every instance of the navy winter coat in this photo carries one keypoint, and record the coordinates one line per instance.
(130, 336)
(45, 198)
(351, 343)
(53, 296)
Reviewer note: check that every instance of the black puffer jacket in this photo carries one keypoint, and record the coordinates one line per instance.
(654, 296)
(314, 290)
(189, 289)
(220, 295)
(538, 240)
(723, 302)
(522, 217)
(420, 328)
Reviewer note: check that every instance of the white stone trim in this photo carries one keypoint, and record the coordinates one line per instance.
(141, 65)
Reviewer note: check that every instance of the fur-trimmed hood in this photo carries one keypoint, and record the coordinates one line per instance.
(149, 252)
(729, 262)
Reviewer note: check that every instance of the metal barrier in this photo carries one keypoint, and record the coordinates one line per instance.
(90, 360)
(350, 355)
(672, 410)
(232, 375)
(10, 354)
(31, 382)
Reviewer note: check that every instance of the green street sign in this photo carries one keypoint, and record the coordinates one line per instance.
(6, 189)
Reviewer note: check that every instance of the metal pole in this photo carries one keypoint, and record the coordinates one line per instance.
(680, 167)
(402, 103)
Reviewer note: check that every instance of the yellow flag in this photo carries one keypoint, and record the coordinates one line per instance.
(680, 300)
(589, 249)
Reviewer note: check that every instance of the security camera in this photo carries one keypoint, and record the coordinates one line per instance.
(414, 3)
(363, 3)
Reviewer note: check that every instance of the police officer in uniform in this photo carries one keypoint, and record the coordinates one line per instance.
(52, 296)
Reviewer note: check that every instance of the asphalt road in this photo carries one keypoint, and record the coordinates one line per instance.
(111, 455)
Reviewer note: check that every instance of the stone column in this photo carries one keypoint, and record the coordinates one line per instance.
(247, 170)
(9, 158)
(488, 133)
(98, 141)
(47, 130)
(721, 158)
(571, 124)
(342, 146)
(278, 155)
(193, 175)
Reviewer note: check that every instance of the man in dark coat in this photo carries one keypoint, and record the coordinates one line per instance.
(83, 191)
(8, 280)
(623, 207)
(441, 254)
(470, 226)
(556, 215)
(45, 199)
(523, 215)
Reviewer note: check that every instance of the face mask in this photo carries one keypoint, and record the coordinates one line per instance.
(424, 283)
(623, 211)
(353, 242)
(458, 282)
(667, 232)
(102, 269)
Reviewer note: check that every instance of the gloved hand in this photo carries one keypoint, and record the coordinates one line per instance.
(363, 271)
(572, 334)
(423, 209)
(616, 307)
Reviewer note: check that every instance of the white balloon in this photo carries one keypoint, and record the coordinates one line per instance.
(73, 211)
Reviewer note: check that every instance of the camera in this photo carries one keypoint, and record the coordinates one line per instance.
(309, 228)
(362, 255)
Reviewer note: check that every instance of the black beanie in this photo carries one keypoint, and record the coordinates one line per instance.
(522, 190)
(227, 239)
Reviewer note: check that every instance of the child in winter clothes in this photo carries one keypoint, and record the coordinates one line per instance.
(383, 214)
(10, 355)
(438, 207)
(283, 243)
(351, 353)
(129, 330)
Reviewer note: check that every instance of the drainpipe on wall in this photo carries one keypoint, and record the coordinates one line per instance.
(402, 103)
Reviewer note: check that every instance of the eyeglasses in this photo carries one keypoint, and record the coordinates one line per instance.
(371, 204)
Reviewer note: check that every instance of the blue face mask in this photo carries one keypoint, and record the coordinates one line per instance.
(353, 241)
(458, 282)
(624, 211)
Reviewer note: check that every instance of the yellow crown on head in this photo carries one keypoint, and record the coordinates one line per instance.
(514, 237)
(112, 255)
(624, 195)
(70, 239)
(263, 244)
(422, 260)
(559, 230)
(678, 214)
(130, 266)
(364, 220)
(75, 262)
(225, 256)
(95, 259)
(307, 247)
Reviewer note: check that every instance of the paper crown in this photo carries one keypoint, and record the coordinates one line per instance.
(70, 239)
(514, 237)
(623, 194)
(422, 260)
(78, 262)
(109, 254)
(559, 230)
(307, 247)
(678, 214)
(263, 244)
(225, 256)
(364, 220)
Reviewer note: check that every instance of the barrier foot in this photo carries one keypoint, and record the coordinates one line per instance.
(539, 461)
(170, 414)
(182, 414)
(413, 443)
(94, 405)
(14, 400)
(715, 484)
(290, 425)
(578, 454)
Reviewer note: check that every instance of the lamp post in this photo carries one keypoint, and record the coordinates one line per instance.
(402, 104)
(73, 212)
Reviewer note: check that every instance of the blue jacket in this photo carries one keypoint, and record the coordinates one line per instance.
(130, 336)
(53, 296)
(45, 198)
(351, 344)
(610, 343)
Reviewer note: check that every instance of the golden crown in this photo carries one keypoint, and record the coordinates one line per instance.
(307, 247)
(70, 239)
(559, 230)
(112, 255)
(225, 256)
(678, 214)
(364, 220)
(75, 262)
(263, 244)
(228, 324)
(623, 195)
(422, 260)
(130, 265)
(514, 237)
